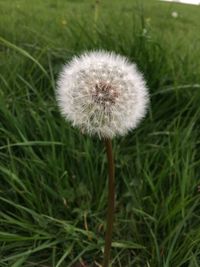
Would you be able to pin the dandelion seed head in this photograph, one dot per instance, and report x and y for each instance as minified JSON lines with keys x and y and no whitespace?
{"x":174,"y":14}
{"x":102,"y":93}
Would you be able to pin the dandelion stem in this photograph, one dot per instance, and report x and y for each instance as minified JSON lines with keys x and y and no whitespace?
{"x":111,"y":202}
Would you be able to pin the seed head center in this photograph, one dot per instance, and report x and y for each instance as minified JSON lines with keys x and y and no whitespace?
{"x":104,"y":93}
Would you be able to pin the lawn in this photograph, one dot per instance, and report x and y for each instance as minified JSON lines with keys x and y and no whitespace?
{"x":53,"y":184}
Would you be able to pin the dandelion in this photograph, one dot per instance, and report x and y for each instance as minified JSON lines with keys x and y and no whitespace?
{"x":174,"y":14}
{"x":104,"y":95}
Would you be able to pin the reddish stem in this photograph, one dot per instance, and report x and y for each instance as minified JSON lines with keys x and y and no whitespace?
{"x":111,"y":202}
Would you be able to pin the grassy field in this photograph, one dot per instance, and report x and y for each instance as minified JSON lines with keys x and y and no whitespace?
{"x":53,"y":179}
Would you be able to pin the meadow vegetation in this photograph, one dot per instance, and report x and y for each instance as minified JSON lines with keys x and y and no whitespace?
{"x":53,"y":179}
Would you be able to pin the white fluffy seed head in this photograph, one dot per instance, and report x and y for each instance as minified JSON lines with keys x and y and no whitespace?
{"x":102,"y":93}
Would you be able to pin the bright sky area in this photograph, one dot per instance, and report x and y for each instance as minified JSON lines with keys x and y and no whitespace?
{"x":193,"y":2}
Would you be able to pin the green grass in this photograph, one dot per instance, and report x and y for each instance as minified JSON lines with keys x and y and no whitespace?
{"x":53,"y":179}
